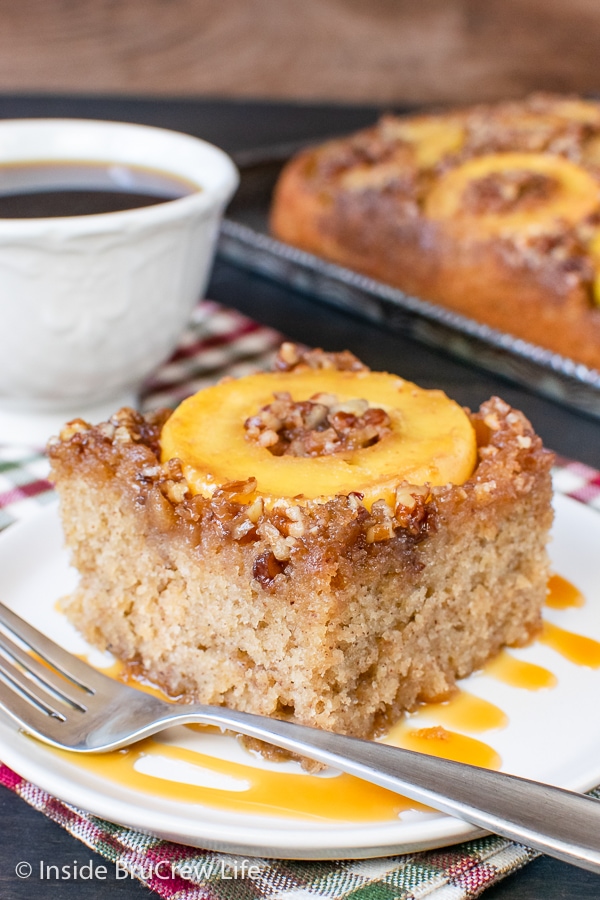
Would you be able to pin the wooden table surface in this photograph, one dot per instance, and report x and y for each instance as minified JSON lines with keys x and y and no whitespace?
{"x":26,"y":834}
{"x":351,"y":50}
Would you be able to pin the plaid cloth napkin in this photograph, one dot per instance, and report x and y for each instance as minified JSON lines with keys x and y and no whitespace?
{"x":220,"y":341}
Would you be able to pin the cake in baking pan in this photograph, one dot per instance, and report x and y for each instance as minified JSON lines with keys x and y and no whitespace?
{"x":492,"y":211}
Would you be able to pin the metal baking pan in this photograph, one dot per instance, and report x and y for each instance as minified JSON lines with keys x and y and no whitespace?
{"x":246,"y":243}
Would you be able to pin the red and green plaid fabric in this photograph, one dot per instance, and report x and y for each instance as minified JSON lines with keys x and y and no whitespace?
{"x":222,"y":342}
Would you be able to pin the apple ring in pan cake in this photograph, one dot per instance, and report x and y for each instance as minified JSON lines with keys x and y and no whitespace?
{"x":510,"y":193}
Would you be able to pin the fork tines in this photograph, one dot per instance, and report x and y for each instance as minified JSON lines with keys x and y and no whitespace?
{"x":39,"y":671}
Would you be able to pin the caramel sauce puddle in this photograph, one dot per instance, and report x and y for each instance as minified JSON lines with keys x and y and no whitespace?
{"x":562,"y":594}
{"x":438,"y":741}
{"x":520,"y":674}
{"x":299,"y":796}
{"x":467,"y":712}
{"x":582,"y":651}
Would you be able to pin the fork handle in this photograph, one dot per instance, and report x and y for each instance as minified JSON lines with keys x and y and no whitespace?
{"x":555,"y":821}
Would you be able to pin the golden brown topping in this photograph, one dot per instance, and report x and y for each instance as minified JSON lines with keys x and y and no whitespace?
{"x":265,"y":568}
{"x":508,"y":191}
{"x":273,"y":533}
{"x":320,"y":426}
{"x":76,"y":426}
{"x":291,"y":356}
{"x":239,"y":487}
{"x":560,"y":254}
{"x":125,"y":427}
{"x":383,"y":526}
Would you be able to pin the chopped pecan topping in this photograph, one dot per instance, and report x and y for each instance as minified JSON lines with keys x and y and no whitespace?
{"x":370,"y":147}
{"x":291,"y":356}
{"x":320,"y":426}
{"x":564,"y":249}
{"x":75,"y":426}
{"x":509,"y":191}
{"x":266,"y":567}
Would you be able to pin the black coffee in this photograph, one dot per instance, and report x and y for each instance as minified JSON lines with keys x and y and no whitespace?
{"x":47,"y":190}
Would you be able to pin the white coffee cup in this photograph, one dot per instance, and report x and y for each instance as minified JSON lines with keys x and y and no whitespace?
{"x":90,"y":305}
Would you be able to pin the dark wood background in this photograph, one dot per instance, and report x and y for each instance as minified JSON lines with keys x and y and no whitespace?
{"x":381,"y":51}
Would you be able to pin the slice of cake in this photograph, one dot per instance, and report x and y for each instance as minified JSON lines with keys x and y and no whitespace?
{"x":321,"y":542}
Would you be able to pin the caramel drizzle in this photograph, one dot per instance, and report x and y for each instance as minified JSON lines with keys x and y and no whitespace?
{"x":520,"y":674}
{"x":562,"y":594}
{"x":582,"y":651}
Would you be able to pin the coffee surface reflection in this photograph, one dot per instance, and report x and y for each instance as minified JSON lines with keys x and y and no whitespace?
{"x":50,"y":190}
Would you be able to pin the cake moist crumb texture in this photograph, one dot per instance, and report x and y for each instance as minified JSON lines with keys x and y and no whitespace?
{"x":326,"y":610}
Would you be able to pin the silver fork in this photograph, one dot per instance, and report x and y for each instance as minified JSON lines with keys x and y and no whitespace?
{"x":68,"y":704}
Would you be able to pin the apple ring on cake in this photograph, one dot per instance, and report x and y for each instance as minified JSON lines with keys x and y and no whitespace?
{"x":315,"y":433}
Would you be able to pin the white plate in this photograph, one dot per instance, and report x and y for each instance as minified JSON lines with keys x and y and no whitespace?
{"x":553,"y":735}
